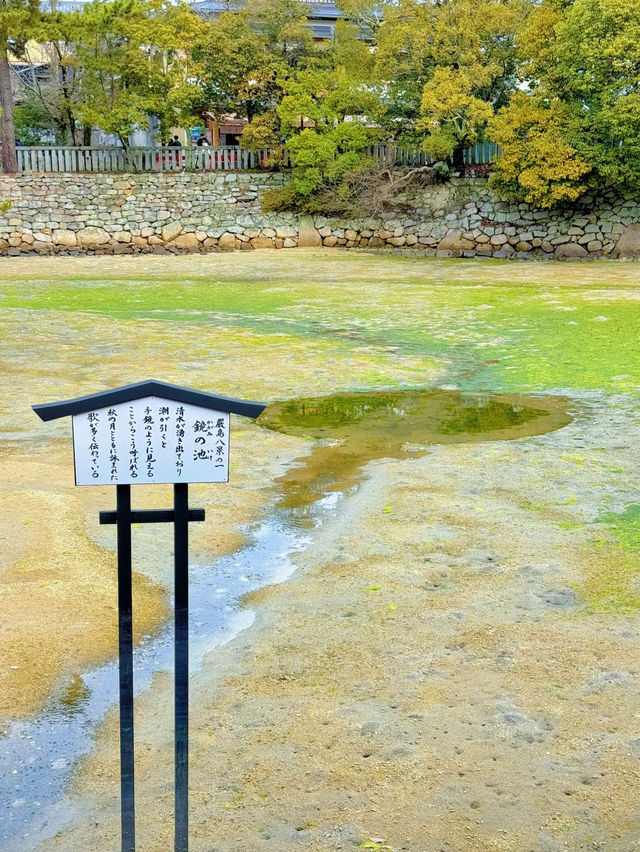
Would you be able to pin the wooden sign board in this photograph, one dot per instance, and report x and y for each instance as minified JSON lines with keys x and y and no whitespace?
{"x":151,"y":432}
{"x":150,"y":440}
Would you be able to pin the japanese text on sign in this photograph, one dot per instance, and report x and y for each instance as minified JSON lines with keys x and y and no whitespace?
{"x":151,"y":440}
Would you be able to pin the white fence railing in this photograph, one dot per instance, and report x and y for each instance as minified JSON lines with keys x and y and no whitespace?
{"x":394,"y":156}
{"x":52,"y":158}
{"x":157,"y":159}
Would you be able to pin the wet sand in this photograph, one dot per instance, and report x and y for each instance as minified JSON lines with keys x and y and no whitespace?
{"x":431,"y":679}
{"x":57,"y":565}
{"x":453,"y":667}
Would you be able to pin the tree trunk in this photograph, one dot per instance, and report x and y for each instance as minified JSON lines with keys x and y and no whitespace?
{"x":61,"y":74}
{"x":86,"y":136}
{"x":9,"y":158}
{"x":457,"y":158}
{"x":74,"y":129}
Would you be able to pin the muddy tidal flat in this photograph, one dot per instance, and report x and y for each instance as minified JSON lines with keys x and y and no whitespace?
{"x":415,"y":605}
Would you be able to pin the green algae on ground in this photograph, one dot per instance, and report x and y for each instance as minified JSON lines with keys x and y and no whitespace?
{"x":492,"y":326}
{"x":615,"y":585}
{"x":323,"y":325}
{"x":625,"y":526}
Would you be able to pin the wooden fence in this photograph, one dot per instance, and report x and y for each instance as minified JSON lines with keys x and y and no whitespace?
{"x":206,"y":158}
{"x":156,"y":159}
{"x":394,"y":156}
{"x":484,"y":153}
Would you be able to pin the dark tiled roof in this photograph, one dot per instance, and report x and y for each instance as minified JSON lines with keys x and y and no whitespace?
{"x":317,"y":8}
{"x":68,"y":407}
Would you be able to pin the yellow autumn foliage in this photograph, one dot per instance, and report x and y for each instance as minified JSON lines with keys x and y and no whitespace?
{"x":451,"y":113}
{"x":538,"y":165}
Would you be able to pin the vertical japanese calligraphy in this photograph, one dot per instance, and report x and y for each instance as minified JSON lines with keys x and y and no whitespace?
{"x":112,"y":417}
{"x":151,"y":440}
{"x":133,"y":449}
{"x":220,"y":442}
{"x":93,"y":420}
{"x":179,"y":439}
{"x":164,"y":424}
{"x":148,"y":430}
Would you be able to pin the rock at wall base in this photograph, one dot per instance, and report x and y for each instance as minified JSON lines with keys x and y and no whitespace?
{"x":92,"y":237}
{"x":227,"y":242}
{"x":62,"y":237}
{"x":454,"y":241}
{"x":170,"y":231}
{"x":628,"y":246}
{"x":186,"y":241}
{"x":571,"y":251}
{"x":262,"y":243}
{"x":308,"y":236}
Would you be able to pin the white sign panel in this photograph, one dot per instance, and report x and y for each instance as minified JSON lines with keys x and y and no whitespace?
{"x":151,"y":440}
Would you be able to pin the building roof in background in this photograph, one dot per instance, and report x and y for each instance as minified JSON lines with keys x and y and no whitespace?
{"x":322,"y":16}
{"x":62,"y":5}
{"x":319,"y":8}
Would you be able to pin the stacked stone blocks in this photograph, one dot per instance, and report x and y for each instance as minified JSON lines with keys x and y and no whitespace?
{"x":184,"y":212}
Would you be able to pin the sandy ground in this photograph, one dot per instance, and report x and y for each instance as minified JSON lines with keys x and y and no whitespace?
{"x":430,"y":680}
{"x":454,"y":665}
{"x":57,"y":566}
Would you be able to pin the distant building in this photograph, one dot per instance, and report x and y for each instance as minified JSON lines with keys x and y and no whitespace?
{"x":62,"y":5}
{"x":323,"y":14}
{"x":322,"y":17}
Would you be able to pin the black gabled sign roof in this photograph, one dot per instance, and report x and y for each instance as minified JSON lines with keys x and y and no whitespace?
{"x":175,"y":393}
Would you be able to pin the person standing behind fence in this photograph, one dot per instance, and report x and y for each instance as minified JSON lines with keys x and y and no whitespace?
{"x":174,"y":158}
{"x":202,"y":161}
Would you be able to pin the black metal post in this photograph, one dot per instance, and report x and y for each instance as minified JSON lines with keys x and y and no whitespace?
{"x":181,"y":639}
{"x":125,"y":651}
{"x":180,"y":516}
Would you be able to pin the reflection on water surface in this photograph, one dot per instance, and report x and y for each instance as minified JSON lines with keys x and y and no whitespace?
{"x":359,"y":427}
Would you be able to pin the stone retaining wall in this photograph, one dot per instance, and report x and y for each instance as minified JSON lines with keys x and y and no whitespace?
{"x":183,"y":212}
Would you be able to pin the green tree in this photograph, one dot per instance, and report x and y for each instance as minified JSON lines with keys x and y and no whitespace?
{"x":263,"y":131}
{"x":43,"y":103}
{"x":538,"y":164}
{"x":32,"y":121}
{"x":329,"y":118}
{"x":582,"y":61}
{"x":366,"y":15}
{"x":283,"y":24}
{"x":451,"y":114}
{"x":449,"y":65}
{"x":246,"y":53}
{"x":238,"y":72}
{"x":133,"y":60}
